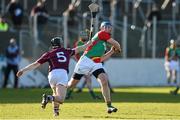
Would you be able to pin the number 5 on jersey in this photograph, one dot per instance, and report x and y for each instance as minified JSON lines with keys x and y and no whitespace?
{"x":61,"y":57}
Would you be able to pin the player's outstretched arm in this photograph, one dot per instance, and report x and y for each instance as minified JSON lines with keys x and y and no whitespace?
{"x":32,"y":66}
{"x":82,"y":47}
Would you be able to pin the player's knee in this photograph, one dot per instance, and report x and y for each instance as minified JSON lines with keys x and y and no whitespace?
{"x":104,"y":81}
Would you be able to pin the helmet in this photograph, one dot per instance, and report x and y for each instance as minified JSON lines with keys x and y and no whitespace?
{"x":172,"y":41}
{"x":105,"y":23}
{"x":57,"y":41}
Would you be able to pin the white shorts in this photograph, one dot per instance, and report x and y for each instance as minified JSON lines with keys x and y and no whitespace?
{"x":174,"y":65}
{"x":86,"y":66}
{"x":167,"y":65}
{"x":58,"y":76}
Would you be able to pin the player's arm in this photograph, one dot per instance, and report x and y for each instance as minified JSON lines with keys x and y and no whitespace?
{"x":115,"y":44}
{"x":166,"y":54}
{"x":82,"y":47}
{"x":107,"y":55}
{"x":32,"y":66}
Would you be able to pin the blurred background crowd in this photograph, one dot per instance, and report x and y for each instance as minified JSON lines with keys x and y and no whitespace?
{"x":35,"y":21}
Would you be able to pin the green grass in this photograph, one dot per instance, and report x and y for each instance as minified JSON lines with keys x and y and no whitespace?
{"x":132,"y":102}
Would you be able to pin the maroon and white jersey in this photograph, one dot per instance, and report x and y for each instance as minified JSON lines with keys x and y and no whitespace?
{"x":58,"y":58}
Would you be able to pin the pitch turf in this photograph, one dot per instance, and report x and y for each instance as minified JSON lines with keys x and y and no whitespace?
{"x":133,"y":103}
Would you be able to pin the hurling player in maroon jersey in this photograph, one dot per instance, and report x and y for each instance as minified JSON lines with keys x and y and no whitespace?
{"x":58,"y":59}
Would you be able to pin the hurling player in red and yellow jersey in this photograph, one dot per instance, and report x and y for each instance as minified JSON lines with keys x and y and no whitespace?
{"x":90,"y":62}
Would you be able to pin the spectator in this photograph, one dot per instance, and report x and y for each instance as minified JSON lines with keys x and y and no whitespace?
{"x":3,"y":25}
{"x":12,"y":59}
{"x":42,"y":16}
{"x":16,"y":12}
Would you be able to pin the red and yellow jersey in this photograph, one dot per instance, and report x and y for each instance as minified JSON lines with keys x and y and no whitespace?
{"x":98,"y":47}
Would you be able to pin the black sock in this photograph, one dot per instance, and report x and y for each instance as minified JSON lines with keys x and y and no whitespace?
{"x":109,"y":104}
{"x":177,"y":88}
{"x":56,"y":109}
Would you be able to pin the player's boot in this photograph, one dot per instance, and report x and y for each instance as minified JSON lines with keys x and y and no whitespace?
{"x":97,"y":97}
{"x":44,"y":101}
{"x":173,"y":92}
{"x":111,"y":109}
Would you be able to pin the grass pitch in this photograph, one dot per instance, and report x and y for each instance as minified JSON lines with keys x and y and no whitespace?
{"x":133,"y":103}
